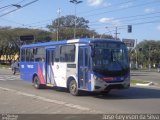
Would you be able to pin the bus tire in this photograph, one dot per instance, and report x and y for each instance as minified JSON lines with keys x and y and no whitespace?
{"x":13,"y":71}
{"x":73,"y":89}
{"x":36,"y":83}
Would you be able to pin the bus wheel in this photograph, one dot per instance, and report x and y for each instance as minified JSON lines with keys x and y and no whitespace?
{"x":73,"y":89}
{"x":36,"y":82}
{"x":14,"y":71}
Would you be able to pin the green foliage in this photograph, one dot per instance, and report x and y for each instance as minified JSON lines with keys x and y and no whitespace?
{"x":148,"y":52}
{"x":68,"y":22}
{"x":10,"y":42}
{"x":65,"y":26}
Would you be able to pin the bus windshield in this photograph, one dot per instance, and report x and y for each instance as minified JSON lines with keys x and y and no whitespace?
{"x":110,"y":59}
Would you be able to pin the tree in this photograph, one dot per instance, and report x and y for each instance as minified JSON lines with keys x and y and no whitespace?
{"x":148,"y":52}
{"x":65,"y":26}
{"x":68,"y":22}
{"x":10,"y":42}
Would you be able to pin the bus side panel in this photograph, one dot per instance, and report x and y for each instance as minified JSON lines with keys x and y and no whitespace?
{"x":60,"y":73}
{"x":89,"y":81}
{"x":28,"y":69}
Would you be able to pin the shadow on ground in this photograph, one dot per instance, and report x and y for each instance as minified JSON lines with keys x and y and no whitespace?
{"x":131,"y":93}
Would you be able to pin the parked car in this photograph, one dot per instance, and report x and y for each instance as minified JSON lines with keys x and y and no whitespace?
{"x":15,"y":67}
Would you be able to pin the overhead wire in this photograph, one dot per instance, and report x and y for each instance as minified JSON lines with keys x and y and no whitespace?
{"x":130,"y":7}
{"x":103,"y":12}
{"x":133,"y":16}
{"x":144,"y":22}
{"x":121,"y":3}
{"x":4,"y":8}
{"x":133,"y":24}
{"x":127,"y":20}
{"x":95,"y":9}
{"x":120,"y":9}
{"x":19,"y":8}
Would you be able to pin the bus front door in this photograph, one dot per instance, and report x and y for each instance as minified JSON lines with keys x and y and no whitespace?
{"x":83,"y":67}
{"x":49,"y":66}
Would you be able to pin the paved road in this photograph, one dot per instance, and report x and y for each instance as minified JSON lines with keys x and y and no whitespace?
{"x":20,"y":97}
{"x":152,"y":76}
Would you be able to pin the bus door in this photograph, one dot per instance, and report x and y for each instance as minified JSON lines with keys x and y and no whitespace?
{"x":83,"y":66}
{"x":49,"y":65}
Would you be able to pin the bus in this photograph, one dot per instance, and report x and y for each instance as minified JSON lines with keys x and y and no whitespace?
{"x":96,"y":65}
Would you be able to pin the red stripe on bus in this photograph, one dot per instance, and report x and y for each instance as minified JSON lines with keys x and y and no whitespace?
{"x":40,"y":75}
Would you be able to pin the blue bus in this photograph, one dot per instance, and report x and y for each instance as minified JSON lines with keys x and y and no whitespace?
{"x":98,"y":65}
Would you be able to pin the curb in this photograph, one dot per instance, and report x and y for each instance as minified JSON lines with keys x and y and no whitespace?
{"x":147,"y":84}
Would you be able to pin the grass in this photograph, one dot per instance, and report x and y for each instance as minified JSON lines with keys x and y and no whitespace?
{"x":138,"y":81}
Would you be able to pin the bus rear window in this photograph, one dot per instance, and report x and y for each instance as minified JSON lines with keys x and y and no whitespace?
{"x":32,"y":54}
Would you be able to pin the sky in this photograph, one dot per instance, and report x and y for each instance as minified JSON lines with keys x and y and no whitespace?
{"x":104,"y":15}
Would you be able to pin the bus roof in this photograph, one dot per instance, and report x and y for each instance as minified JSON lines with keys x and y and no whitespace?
{"x":82,"y":40}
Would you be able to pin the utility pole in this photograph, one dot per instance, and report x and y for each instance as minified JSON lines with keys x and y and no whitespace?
{"x":149,"y":59}
{"x":116,"y":33}
{"x":58,"y":12}
{"x":75,"y":2}
{"x":136,"y":55}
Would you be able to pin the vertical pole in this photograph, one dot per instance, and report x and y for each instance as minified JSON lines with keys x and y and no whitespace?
{"x":75,"y":22}
{"x":116,"y":34}
{"x":75,"y":2}
{"x":59,"y":10}
{"x":149,"y":65}
{"x":136,"y":56}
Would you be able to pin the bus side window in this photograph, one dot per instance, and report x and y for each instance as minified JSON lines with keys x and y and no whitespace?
{"x":67,"y":53}
{"x":39,"y":54}
{"x":27,"y":54}
{"x":31,"y":56}
{"x":23,"y":52}
{"x":57,"y":54}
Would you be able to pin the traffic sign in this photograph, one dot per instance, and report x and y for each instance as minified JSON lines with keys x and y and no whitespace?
{"x":26,"y":37}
